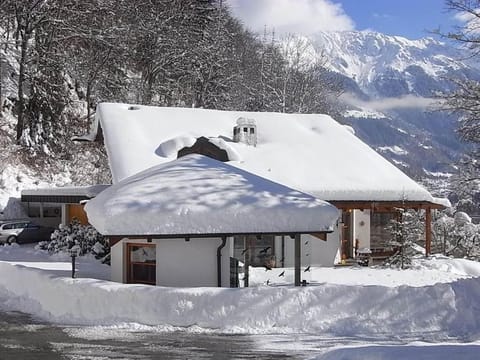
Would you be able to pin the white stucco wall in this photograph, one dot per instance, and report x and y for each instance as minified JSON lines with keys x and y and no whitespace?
{"x":324,"y":252}
{"x":180,"y":263}
{"x":192,"y":263}
{"x":314,"y":251}
{"x":116,"y":262}
{"x":362,"y":228}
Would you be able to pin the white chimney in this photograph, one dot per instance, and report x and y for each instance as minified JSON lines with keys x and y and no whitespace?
{"x":245,"y":131}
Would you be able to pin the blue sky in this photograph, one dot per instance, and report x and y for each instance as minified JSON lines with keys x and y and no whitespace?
{"x":410,"y":18}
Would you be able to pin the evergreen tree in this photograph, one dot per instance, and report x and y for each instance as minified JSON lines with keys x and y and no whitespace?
{"x":405,"y":231}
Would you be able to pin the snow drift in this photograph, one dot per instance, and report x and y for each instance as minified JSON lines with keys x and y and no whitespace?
{"x":440,"y":310}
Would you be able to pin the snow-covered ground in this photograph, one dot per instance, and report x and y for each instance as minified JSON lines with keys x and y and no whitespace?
{"x":432,"y":309}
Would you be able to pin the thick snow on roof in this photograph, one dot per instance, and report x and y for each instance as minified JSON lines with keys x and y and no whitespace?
{"x":87,"y":191}
{"x":199,"y":195}
{"x":312,"y":153}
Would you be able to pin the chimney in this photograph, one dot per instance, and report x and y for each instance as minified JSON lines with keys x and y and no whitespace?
{"x":245,"y":131}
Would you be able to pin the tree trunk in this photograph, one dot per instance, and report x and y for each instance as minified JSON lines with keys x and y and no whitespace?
{"x":21,"y":81}
{"x":1,"y":77}
{"x":89,"y":111}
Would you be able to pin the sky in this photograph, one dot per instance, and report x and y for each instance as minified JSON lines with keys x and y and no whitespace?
{"x":412,"y":19}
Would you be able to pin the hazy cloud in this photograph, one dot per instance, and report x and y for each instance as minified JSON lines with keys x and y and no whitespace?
{"x":292,"y":16}
{"x":382,"y":16}
{"x":403,"y":102}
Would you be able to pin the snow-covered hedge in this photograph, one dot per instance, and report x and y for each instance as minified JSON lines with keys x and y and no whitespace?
{"x":84,"y":237}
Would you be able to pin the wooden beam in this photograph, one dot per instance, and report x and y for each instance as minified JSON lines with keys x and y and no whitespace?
{"x":428,"y":231}
{"x":298,"y":260}
{"x":384,"y":206}
{"x":112,"y":240}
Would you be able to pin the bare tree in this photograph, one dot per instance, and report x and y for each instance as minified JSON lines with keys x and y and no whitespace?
{"x":465,"y":99}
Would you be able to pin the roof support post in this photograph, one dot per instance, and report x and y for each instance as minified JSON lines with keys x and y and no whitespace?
{"x":298,"y":260}
{"x":246,"y":260}
{"x":428,"y":231}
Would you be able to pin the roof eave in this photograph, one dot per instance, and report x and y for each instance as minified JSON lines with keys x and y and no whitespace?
{"x":116,"y":237}
{"x":382,"y":205}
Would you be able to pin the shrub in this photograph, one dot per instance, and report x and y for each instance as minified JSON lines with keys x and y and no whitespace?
{"x":83,"y":237}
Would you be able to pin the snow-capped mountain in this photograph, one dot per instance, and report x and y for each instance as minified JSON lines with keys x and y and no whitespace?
{"x":390,"y":84}
{"x":371,"y":58}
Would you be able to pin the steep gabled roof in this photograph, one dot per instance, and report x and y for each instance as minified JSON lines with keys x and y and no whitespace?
{"x":312,"y":153}
{"x":197,"y":195}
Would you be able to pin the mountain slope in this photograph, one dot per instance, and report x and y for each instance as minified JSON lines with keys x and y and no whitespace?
{"x":390,"y":84}
{"x":385,"y":66}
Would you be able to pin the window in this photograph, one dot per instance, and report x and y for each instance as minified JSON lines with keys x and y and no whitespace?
{"x":252,"y":131}
{"x":262,"y":249}
{"x":52,"y":211}
{"x":378,"y":229}
{"x":33,"y":210}
{"x":141,"y":264}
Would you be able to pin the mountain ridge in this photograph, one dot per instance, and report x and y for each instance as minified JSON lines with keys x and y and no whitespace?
{"x":391,"y":94}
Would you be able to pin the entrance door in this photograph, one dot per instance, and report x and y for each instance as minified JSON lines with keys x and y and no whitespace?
{"x":141,"y":264}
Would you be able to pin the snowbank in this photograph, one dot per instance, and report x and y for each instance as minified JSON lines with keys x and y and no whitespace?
{"x":417,"y":351}
{"x":442,"y":310}
{"x":425,"y":272}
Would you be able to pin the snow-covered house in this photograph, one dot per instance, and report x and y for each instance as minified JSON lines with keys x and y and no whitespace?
{"x":311,"y":153}
{"x":174,"y":224}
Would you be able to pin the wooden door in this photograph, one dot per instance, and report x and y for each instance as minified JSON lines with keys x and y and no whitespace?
{"x":141,"y":264}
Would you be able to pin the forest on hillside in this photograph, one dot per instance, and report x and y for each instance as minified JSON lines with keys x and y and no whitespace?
{"x":65,"y":56}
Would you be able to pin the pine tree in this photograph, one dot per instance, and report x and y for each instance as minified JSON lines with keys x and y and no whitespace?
{"x":405,"y":231}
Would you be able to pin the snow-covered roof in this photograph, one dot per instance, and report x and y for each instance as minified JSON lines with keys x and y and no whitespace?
{"x":309,"y":152}
{"x":86,"y":191}
{"x":199,"y":195}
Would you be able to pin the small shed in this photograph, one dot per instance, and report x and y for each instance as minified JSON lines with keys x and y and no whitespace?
{"x":173,"y":224}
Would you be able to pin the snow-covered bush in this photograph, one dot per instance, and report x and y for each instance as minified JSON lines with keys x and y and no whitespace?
{"x":457,"y":236}
{"x":84,"y":237}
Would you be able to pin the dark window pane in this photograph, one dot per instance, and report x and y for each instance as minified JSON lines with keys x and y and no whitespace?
{"x":142,"y":259}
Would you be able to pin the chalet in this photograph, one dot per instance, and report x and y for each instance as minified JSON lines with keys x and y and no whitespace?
{"x":174,"y":224}
{"x":311,"y":153}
